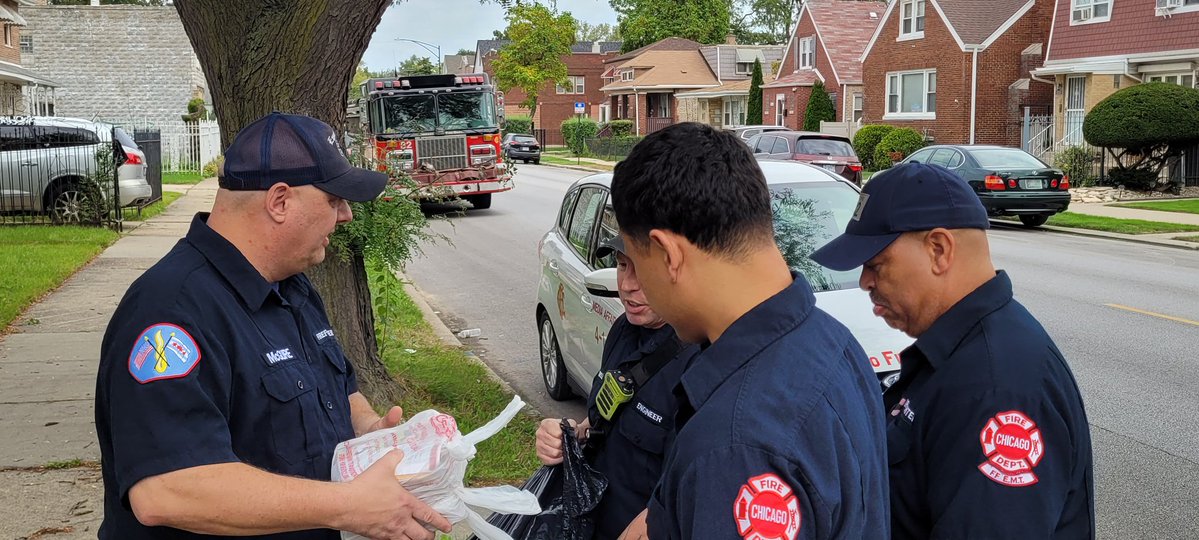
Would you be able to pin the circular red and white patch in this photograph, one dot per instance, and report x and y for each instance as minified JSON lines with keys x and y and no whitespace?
{"x":1013,"y":446}
{"x":766,"y":509}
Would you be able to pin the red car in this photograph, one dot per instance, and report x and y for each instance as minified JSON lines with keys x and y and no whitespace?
{"x":833,"y":152}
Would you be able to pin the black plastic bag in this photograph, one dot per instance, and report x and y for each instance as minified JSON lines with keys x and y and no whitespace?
{"x":568,"y":492}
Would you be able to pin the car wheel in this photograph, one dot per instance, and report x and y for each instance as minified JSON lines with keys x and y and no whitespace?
{"x":74,"y":203}
{"x":553,"y":370}
{"x":537,"y":161}
{"x":480,"y":202}
{"x":1033,"y":221}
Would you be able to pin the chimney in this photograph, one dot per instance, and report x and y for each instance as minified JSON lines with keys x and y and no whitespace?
{"x":595,"y":47}
{"x":95,"y":2}
{"x":730,"y":39}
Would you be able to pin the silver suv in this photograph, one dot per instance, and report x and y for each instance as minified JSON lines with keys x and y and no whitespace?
{"x":48,"y":163}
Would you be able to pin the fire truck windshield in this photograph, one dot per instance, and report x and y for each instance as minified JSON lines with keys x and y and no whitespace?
{"x":427,"y":112}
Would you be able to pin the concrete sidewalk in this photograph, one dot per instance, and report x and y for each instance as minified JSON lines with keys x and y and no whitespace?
{"x":48,"y":377}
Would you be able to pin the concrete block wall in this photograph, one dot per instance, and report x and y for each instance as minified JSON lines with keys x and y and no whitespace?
{"x":139,"y":65}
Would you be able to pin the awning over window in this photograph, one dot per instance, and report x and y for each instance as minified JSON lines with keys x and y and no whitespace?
{"x":747,"y":56}
{"x":9,"y":16}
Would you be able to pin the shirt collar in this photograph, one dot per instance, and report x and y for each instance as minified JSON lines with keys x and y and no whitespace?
{"x":230,"y":263}
{"x":754,"y":331}
{"x":947,"y":332}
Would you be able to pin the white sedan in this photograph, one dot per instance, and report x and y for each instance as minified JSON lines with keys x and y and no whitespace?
{"x":576,"y":302}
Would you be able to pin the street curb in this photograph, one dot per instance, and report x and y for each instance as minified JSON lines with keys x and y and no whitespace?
{"x":575,"y":168}
{"x":1177,"y":244}
{"x":447,"y":336}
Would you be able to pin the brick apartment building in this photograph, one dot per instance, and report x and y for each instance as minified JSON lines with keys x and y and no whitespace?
{"x":957,"y":70}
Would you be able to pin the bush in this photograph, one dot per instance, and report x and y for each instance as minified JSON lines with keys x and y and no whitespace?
{"x":621,"y":128}
{"x":576,"y":131}
{"x":1143,"y":116}
{"x":612,"y":147}
{"x":1136,"y":179}
{"x":866,"y":139}
{"x":1076,"y":162}
{"x":902,"y":140}
{"x":820,"y":108}
{"x":518,"y":124}
{"x":212,"y":168}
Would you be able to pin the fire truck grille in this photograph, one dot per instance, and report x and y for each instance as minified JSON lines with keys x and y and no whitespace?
{"x":442,"y":153}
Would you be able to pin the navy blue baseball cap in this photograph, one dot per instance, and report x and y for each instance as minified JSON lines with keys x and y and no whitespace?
{"x":908,"y":197}
{"x":298,"y":151}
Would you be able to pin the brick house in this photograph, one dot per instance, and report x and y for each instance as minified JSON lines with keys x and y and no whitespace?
{"x":641,"y":85}
{"x":827,"y":46}
{"x":1099,"y":46}
{"x":956,"y":70}
{"x":728,"y":103}
{"x":584,"y":65}
{"x":22,"y":91}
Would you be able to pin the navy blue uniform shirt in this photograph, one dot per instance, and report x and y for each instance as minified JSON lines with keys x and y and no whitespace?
{"x":987,"y":436}
{"x":205,"y":362}
{"x":633,"y":447}
{"x":781,"y":433}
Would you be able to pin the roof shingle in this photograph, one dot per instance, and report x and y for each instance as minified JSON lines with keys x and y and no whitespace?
{"x":845,"y":27}
{"x":976,"y":20}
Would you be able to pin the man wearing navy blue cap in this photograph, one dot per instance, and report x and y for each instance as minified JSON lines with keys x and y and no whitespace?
{"x":222,"y":390}
{"x":987,"y":436}
{"x":779,"y":421}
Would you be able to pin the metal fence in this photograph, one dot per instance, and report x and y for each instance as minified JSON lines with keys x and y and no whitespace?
{"x":150,"y":143}
{"x":549,"y":137}
{"x":59,"y":174}
{"x":184,"y":146}
{"x":611,"y":148}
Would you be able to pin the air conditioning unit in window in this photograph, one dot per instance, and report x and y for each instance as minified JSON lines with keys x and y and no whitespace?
{"x":1083,"y":14}
{"x":1170,"y":4}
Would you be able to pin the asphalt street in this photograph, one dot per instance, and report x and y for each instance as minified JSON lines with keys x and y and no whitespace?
{"x":1124,"y":314}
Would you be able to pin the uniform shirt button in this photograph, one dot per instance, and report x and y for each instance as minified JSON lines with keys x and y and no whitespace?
{"x":300,"y":385}
{"x":329,"y":405}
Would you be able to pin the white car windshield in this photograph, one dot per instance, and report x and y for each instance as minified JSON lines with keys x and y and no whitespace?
{"x":808,"y":215}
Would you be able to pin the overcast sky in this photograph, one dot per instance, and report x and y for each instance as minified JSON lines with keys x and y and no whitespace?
{"x":453,"y":25}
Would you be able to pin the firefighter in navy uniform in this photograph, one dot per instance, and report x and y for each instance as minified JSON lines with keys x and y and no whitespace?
{"x":630,"y":412}
{"x":222,"y":389}
{"x":987,"y":436}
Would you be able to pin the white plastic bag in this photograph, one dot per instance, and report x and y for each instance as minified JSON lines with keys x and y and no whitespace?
{"x":434,"y":461}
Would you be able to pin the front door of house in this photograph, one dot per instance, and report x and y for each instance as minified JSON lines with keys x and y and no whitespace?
{"x":780,"y":106}
{"x":1076,"y":94}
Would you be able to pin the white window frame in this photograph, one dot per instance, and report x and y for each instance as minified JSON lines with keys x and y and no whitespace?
{"x":732,"y":117}
{"x":807,"y":52}
{"x":1187,"y":7}
{"x":8,"y":35}
{"x":894,"y":77}
{"x":26,"y":43}
{"x":1083,"y":11}
{"x":915,"y":15}
{"x":626,"y":75}
{"x":1177,"y":75}
{"x":780,"y":108}
{"x":749,"y":68}
{"x":577,"y":85}
{"x":858,"y":101}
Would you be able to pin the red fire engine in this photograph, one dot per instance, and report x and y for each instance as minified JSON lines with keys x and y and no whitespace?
{"x":442,"y":130}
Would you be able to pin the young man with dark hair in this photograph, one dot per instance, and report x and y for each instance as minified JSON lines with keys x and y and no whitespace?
{"x":780,"y":426}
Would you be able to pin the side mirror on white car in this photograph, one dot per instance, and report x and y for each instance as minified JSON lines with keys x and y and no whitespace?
{"x":602,"y":282}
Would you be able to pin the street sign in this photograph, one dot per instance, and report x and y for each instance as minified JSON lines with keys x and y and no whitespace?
{"x":580,"y":107}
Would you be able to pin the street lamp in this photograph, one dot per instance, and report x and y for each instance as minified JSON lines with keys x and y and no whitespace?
{"x":427,"y":46}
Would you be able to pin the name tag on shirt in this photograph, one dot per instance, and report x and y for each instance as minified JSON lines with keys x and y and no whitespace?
{"x":649,"y":413}
{"x":323,"y":335}
{"x":281,"y":355}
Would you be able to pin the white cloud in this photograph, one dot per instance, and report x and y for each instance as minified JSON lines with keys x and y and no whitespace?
{"x":453,"y":25}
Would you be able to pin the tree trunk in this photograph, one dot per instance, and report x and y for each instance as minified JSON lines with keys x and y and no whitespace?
{"x":296,"y":56}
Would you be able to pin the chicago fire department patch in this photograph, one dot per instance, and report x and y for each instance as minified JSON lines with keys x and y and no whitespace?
{"x":766,"y":509}
{"x":1013,"y":446}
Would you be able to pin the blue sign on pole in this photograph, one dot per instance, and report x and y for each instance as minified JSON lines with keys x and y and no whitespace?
{"x":580,"y":107}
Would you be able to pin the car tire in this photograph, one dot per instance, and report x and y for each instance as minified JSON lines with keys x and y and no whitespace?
{"x":537,"y":161}
{"x":480,"y":202}
{"x":1033,"y":221}
{"x":73,"y":202}
{"x":553,"y":370}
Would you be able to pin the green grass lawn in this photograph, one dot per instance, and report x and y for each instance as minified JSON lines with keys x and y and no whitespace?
{"x":1123,"y":226}
{"x":1187,"y":238}
{"x":148,"y":212}
{"x":448,"y":379}
{"x":35,"y":260}
{"x":181,"y":177}
{"x":1188,"y":206}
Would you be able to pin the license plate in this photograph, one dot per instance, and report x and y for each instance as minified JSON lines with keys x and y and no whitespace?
{"x":1032,"y":184}
{"x":525,"y":148}
{"x":829,"y":166}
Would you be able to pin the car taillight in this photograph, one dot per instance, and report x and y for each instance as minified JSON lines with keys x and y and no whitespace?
{"x":855,"y":168}
{"x":994,"y":183}
{"x":1065,"y":183}
{"x":134,"y":157}
{"x":1011,"y":184}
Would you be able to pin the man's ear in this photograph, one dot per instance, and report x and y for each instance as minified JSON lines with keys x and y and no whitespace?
{"x":278,"y":200}
{"x":942,"y":248}
{"x":671,"y":248}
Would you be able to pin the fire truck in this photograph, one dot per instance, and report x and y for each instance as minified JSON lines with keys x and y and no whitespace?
{"x":443,"y":131}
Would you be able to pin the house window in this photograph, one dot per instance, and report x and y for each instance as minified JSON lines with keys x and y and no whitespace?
{"x":734,"y":110}
{"x":1090,"y":11}
{"x":26,"y":44}
{"x":780,"y":109}
{"x":1176,"y":6}
{"x":912,"y":19}
{"x":626,"y":75}
{"x":745,"y":68}
{"x":912,"y":94}
{"x":576,"y":85}
{"x":8,"y":35}
{"x":857,"y":107}
{"x":1181,"y":79}
{"x":807,"y":52}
